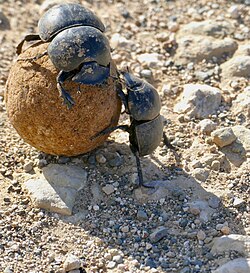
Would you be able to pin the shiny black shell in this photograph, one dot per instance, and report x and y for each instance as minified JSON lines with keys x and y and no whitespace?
{"x":147,"y":136}
{"x":143,"y":99}
{"x":74,"y":46}
{"x":65,"y":16}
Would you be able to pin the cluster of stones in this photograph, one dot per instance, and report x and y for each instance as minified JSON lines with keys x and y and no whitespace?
{"x":198,"y":218}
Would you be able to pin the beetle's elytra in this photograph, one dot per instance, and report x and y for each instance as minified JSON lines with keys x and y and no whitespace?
{"x":77,"y":43}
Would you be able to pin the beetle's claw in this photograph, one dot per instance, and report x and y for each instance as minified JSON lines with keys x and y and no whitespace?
{"x":147,"y":186}
{"x":67,"y":100}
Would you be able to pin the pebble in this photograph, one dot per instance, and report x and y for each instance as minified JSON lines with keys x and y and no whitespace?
{"x":173,"y":26}
{"x":200,"y":174}
{"x":96,"y":207}
{"x":158,"y":234}
{"x":28,"y":167}
{"x":206,"y":126}
{"x":125,"y":229}
{"x":141,"y":215}
{"x":234,"y":12}
{"x":214,"y":202}
{"x":118,"y":259}
{"x":108,"y":189}
{"x":146,"y":73}
{"x":71,"y":262}
{"x":238,"y":202}
{"x":223,"y":136}
{"x":100,"y":158}
{"x":111,"y":265}
{"x":201,"y":235}
{"x":152,"y":60}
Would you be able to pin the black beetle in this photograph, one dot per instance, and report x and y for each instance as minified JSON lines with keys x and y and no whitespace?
{"x":78,"y":47}
{"x":143,"y":105}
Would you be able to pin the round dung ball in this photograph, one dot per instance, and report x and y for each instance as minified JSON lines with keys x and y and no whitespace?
{"x":38,"y":114}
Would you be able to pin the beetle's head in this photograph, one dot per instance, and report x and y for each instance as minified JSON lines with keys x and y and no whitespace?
{"x":131,"y":81}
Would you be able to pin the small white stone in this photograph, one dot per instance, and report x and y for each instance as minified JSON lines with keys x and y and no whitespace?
{"x":111,"y":265}
{"x":96,"y":207}
{"x":72,"y":262}
{"x":234,"y":11}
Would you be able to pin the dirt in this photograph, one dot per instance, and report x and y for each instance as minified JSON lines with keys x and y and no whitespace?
{"x":105,"y":226}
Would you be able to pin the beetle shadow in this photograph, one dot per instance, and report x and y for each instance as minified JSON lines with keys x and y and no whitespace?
{"x":179,"y":203}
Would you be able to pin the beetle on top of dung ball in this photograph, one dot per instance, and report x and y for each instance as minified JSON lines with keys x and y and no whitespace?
{"x":81,"y":52}
{"x":78,"y":47}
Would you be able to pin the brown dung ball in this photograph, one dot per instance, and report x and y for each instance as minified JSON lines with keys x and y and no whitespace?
{"x":38,"y":114}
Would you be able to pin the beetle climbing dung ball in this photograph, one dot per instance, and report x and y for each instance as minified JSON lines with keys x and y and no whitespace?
{"x":78,"y":47}
{"x":37,"y":113}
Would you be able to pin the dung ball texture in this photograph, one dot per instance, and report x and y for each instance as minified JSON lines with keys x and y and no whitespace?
{"x":37,"y":112}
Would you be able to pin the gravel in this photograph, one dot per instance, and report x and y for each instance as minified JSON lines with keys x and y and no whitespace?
{"x":201,"y":197}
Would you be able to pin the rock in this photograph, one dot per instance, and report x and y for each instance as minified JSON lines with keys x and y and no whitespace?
{"x":117,"y":40}
{"x":158,"y":234}
{"x":100,"y":158}
{"x":111,"y":265}
{"x":207,"y":28}
{"x":234,"y":11}
{"x":239,"y":265}
{"x":194,"y":48}
{"x":28,"y":167}
{"x":238,"y":66}
{"x":206,"y":126}
{"x":225,"y":230}
{"x":235,"y":153}
{"x":198,"y":101}
{"x":232,"y":242}
{"x":241,"y":105}
{"x":243,"y":135}
{"x":150,"y":59}
{"x":72,"y":262}
{"x":238,"y":202}
{"x":146,"y":73}
{"x":41,"y":118}
{"x":108,"y":189}
{"x":201,"y":235}
{"x":223,"y":136}
{"x":142,"y":215}
{"x":56,"y":189}
{"x":200,"y":174}
{"x":118,"y":259}
{"x":173,"y":26}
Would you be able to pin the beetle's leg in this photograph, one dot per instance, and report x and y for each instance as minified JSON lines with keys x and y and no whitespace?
{"x":60,"y":79}
{"x":109,"y":130}
{"x":139,"y":171}
{"x":122,"y":96}
{"x":27,"y":38}
{"x":33,"y":59}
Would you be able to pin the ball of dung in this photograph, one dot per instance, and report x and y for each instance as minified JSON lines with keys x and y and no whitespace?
{"x":38,"y":114}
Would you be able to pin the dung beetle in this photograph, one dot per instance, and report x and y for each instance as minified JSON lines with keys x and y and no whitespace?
{"x":78,"y":48}
{"x":142,"y":104}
